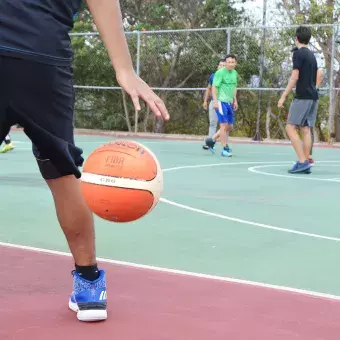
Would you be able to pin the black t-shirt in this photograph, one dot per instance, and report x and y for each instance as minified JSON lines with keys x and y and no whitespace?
{"x":37,"y":29}
{"x":304,"y":60}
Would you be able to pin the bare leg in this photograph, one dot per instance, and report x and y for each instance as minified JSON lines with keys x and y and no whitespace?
{"x":223,"y":134}
{"x":229,"y":128}
{"x":216,"y":136}
{"x":307,"y":140}
{"x":75,"y":219}
{"x":311,"y":149}
{"x":296,"y":142}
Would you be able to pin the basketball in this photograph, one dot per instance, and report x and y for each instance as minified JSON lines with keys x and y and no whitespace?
{"x":122,"y":181}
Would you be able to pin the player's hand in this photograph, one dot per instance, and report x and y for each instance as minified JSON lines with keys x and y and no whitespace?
{"x":281,"y":102}
{"x":216,"y":105}
{"x":137,"y":88}
{"x":205,"y":105}
{"x":235,"y":105}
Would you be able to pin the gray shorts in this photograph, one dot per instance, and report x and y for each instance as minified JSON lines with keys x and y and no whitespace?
{"x":303,"y":112}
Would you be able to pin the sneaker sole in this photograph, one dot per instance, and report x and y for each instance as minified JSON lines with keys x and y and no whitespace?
{"x":5,"y":151}
{"x":88,"y":315}
{"x":306,"y":171}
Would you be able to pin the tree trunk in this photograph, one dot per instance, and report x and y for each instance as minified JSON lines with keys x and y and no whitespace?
{"x":282,"y":128}
{"x":269,"y":110}
{"x":146,"y":119}
{"x":159,"y":122}
{"x":126,"y":111}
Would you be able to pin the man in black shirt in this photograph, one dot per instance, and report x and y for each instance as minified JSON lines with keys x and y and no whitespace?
{"x":36,"y":91}
{"x":303,"y":110}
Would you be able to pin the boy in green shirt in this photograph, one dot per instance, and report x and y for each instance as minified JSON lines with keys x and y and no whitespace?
{"x":224,"y":91}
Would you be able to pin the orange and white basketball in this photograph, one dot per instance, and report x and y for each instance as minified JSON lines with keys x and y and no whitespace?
{"x":122,"y":181}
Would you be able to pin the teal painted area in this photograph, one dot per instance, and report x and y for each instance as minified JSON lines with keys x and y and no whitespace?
{"x":177,"y":238}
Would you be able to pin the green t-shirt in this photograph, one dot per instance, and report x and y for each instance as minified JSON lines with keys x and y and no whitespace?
{"x":226,"y":83}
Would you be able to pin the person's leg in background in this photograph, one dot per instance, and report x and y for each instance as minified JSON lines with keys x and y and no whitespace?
{"x":212,"y":123}
{"x":311,"y":120}
{"x":212,"y":120}
{"x":306,"y":140}
{"x":310,"y":157}
{"x":297,"y":117}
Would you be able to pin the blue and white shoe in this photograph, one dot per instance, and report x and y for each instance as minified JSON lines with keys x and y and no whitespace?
{"x":89,"y":298}
{"x":301,"y":168}
{"x":226,"y":152}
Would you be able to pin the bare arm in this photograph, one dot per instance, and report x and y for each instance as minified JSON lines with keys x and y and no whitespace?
{"x":291,"y":84}
{"x":108,"y":19}
{"x":319,"y":78}
{"x":214,"y":95}
{"x":207,"y":94}
{"x":235,"y":103}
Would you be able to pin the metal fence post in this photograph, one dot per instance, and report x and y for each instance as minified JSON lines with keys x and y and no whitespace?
{"x":331,"y":89}
{"x":257,"y":136}
{"x":228,"y":40}
{"x":138,"y":73}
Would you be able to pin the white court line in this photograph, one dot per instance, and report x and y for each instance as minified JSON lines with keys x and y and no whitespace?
{"x":200,"y":275}
{"x":268,"y":163}
{"x":221,"y":164}
{"x":182,"y":272}
{"x":254,"y":224}
{"x":238,"y":220}
{"x":254,"y":169}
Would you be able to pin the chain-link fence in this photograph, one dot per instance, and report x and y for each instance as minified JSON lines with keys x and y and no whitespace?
{"x":177,"y":64}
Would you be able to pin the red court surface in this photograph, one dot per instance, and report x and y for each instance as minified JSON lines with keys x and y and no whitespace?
{"x":152,"y":305}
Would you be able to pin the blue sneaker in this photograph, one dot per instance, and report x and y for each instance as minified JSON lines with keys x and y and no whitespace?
{"x":299,"y":168}
{"x":226,"y":152}
{"x":89,"y":298}
{"x":227,"y":148}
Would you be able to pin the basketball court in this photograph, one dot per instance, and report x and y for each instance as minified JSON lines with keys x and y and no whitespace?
{"x":237,"y":249}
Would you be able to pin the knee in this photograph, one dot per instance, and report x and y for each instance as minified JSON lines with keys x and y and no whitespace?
{"x":306,"y":131}
{"x":290,"y":128}
{"x":224,"y":127}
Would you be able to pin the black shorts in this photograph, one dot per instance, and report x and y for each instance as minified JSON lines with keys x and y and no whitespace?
{"x":40,"y":98}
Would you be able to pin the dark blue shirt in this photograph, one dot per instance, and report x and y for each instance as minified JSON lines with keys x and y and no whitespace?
{"x":211,"y":77}
{"x":37,"y":29}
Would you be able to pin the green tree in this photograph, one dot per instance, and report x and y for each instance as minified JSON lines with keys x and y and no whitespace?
{"x":167,"y":60}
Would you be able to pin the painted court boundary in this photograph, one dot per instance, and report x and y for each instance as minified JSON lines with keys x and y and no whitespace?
{"x":238,"y":220}
{"x":200,"y":275}
{"x":180,"y":272}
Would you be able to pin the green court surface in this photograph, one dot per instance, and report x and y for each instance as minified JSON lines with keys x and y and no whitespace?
{"x":244,"y":217}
